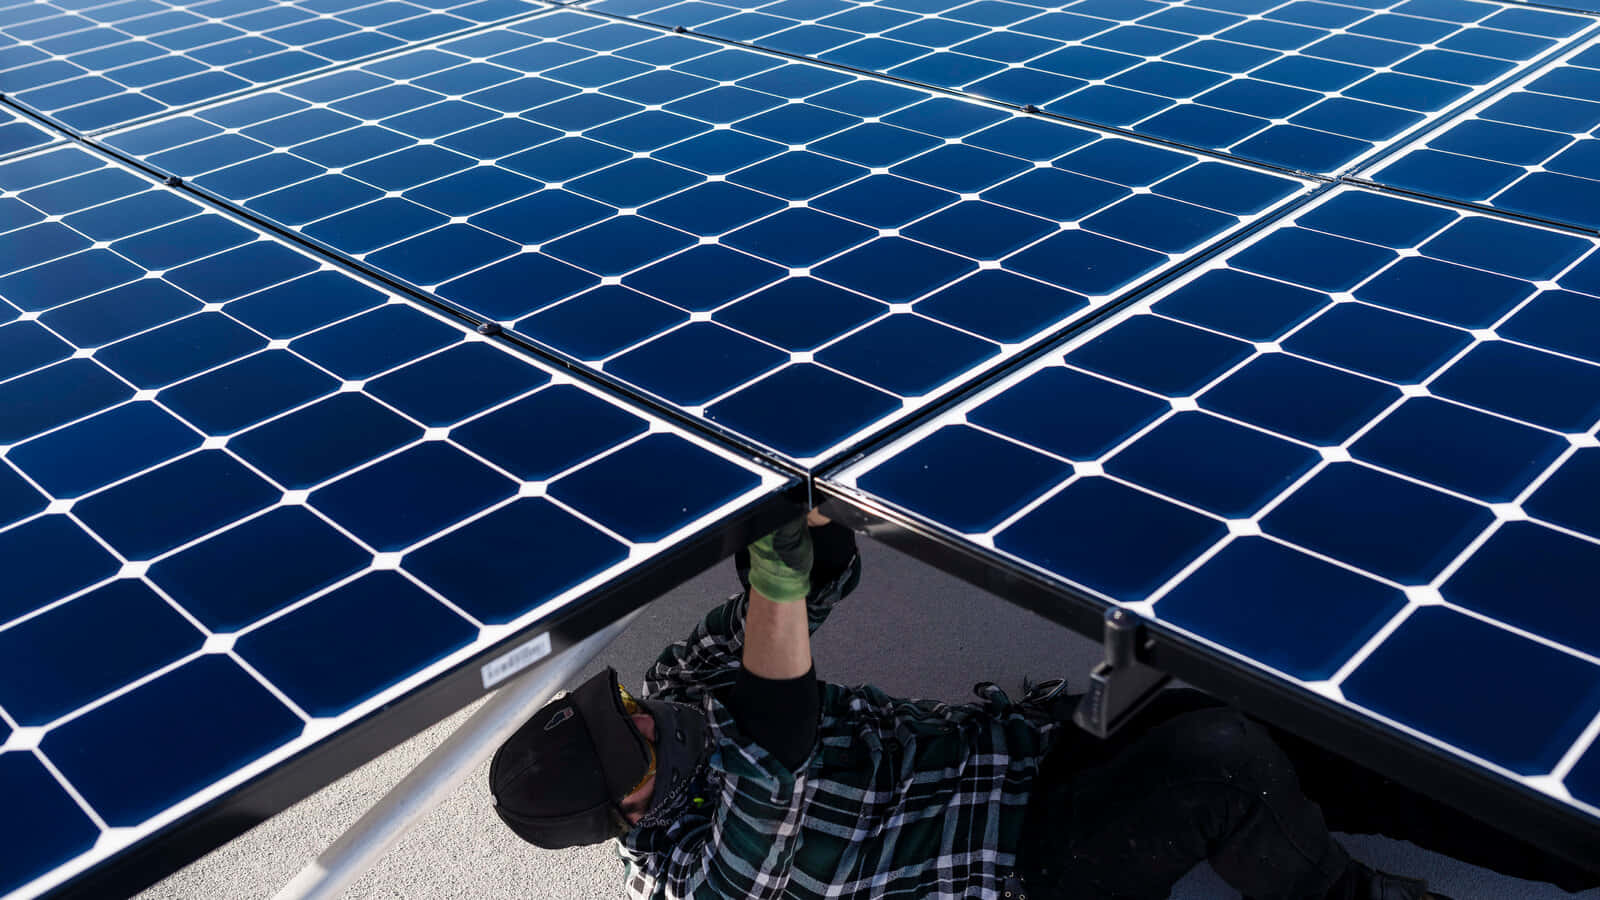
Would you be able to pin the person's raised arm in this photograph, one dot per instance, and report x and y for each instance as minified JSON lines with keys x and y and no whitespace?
{"x":777,"y":640}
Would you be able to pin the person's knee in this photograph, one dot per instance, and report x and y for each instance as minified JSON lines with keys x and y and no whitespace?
{"x":1222,"y":743}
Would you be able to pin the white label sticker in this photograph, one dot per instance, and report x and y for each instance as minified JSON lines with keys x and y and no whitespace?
{"x":518,"y":658}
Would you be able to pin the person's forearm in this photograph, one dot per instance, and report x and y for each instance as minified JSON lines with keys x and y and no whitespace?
{"x":777,"y":638}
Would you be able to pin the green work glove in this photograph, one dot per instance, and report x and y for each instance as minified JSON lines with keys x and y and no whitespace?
{"x":780,"y":563}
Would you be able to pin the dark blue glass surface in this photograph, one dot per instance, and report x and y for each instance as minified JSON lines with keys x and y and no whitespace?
{"x":836,"y":408}
{"x":440,"y":255}
{"x":35,"y":690}
{"x":1446,"y":292}
{"x":1517,"y":153}
{"x":44,"y":825}
{"x":245,"y":392}
{"x":1430,"y":674}
{"x":289,"y":553}
{"x":1314,"y":259}
{"x":1525,"y":384}
{"x":982,"y":230}
{"x":599,"y":214}
{"x":519,"y":437}
{"x":703,"y":278}
{"x":964,"y":478}
{"x":908,"y":355}
{"x":1515,"y":250}
{"x":1378,"y":219}
{"x":1377,"y":342}
{"x":313,"y":444}
{"x":394,"y":503}
{"x":1566,"y":498}
{"x":18,"y":499}
{"x":1001,"y":306}
{"x":725,"y":360}
{"x":66,"y":279}
{"x":303,"y":304}
{"x":1087,"y":263}
{"x":375,"y":342}
{"x":1110,"y":538}
{"x":54,"y":396}
{"x":618,"y":245}
{"x":176,"y":735}
{"x":1534,"y":578}
{"x":712,"y":208}
{"x":648,"y":489}
{"x":1395,"y":528}
{"x":1287,"y":610}
{"x":104,"y":448}
{"x":798,"y":237}
{"x":1483,"y":456}
{"x":1189,"y":358}
{"x":966,"y":55}
{"x":1558,"y":320}
{"x":450,"y":386}
{"x":509,"y":562}
{"x":347,"y":645}
{"x":1216,"y":465}
{"x":545,"y":215}
{"x":54,"y":538}
{"x":824,"y":312}
{"x":894,"y":269}
{"x":1240,"y":304}
{"x":516,"y":286}
{"x":1272,"y":391}
{"x":175,"y":504}
{"x":119,"y":312}
{"x":157,"y":358}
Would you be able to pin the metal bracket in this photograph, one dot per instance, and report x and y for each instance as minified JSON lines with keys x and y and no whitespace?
{"x":1122,"y":685}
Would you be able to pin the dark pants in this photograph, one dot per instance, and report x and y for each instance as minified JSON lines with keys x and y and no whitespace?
{"x":1190,"y":780}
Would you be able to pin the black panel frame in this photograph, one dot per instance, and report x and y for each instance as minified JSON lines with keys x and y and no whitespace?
{"x":1512,"y":808}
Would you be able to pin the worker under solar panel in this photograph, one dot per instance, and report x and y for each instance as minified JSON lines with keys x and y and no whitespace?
{"x":738,"y":774}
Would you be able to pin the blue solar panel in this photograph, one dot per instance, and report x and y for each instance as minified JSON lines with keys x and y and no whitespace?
{"x":94,"y":65}
{"x":246,"y":499}
{"x":1532,"y":150}
{"x":1358,"y":451}
{"x":632,"y":199}
{"x":1309,"y":85}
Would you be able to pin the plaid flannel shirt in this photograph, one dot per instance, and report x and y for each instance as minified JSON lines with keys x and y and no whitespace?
{"x":900,"y":798}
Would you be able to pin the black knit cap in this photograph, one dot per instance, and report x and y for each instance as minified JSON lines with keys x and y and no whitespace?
{"x":558,"y":780}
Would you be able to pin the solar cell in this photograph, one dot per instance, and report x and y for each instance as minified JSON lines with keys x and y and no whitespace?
{"x":632,"y":199}
{"x":1534,"y":149}
{"x":18,"y":134}
{"x":1357,"y":451}
{"x":98,"y":64}
{"x":1313,"y":86}
{"x":247,"y":499}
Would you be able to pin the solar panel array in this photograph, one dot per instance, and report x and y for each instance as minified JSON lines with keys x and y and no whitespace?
{"x":811,"y":237}
{"x":246,"y":498}
{"x":92,"y":65}
{"x":1312,"y":86}
{"x":1533,"y":150}
{"x":1364,"y":457}
{"x":242,"y":410}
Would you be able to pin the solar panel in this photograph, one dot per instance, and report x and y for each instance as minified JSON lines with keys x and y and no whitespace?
{"x":632,"y":199}
{"x":248,"y":499}
{"x":97,"y":64}
{"x":1532,"y":150}
{"x":1358,"y":452}
{"x":1309,"y":85}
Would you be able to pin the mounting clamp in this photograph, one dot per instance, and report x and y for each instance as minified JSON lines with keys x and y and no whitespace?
{"x":1122,"y":685}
